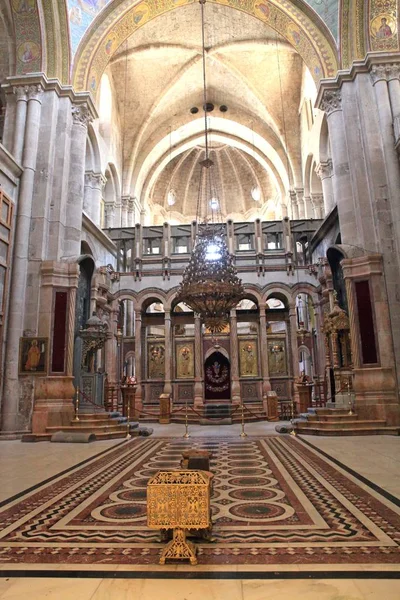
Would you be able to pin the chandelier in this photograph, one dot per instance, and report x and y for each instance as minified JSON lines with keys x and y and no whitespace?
{"x":210,"y":285}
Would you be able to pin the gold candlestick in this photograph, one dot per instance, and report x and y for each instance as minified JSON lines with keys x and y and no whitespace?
{"x":243,"y":434}
{"x":186,"y":421}
{"x":128,"y":416}
{"x":77,"y":404}
{"x":292,"y":417}
{"x":349,"y":398}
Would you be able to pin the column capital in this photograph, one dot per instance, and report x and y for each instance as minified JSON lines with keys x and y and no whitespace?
{"x":125,"y":201}
{"x":331,"y":101}
{"x":21,"y":92}
{"x":81,"y":114}
{"x":96,"y":180}
{"x":324,"y":169}
{"x":385,"y":72}
{"x":317,"y":199}
{"x":35,"y":92}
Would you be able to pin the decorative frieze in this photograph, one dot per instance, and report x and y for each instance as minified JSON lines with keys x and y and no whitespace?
{"x":331,"y":101}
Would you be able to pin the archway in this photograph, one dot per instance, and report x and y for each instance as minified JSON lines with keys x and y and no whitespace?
{"x":217,"y":377}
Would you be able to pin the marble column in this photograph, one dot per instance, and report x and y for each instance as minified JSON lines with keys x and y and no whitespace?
{"x":331,"y":103}
{"x":13,"y":395}
{"x":393,"y":77}
{"x":21,"y":93}
{"x":266,"y":384}
{"x":294,"y":348}
{"x":234,"y":343}
{"x":168,"y":353}
{"x":325,"y":172}
{"x":198,"y":364}
{"x":138,"y":359}
{"x":81,"y":116}
{"x":318,"y":206}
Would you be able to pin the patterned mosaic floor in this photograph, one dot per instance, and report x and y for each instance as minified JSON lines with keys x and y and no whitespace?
{"x":275,"y":501}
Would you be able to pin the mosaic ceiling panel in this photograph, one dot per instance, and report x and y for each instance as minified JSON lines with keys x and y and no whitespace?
{"x":81,"y":14}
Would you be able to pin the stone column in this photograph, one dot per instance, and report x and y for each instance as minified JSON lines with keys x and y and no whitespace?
{"x":293,"y":203}
{"x":131,"y":212}
{"x":325,"y":172}
{"x":81,"y":117}
{"x":94,"y":184}
{"x":198,"y":364}
{"x":266,"y":384}
{"x":331,"y":103}
{"x":308,"y":207}
{"x":393,"y":77}
{"x":294,"y":348}
{"x":234,"y":343}
{"x":300,"y":202}
{"x":124,"y":211}
{"x":21,"y":93}
{"x":109,"y":212}
{"x":168,"y":353}
{"x":318,"y":206}
{"x":12,"y":391}
{"x":138,"y":359}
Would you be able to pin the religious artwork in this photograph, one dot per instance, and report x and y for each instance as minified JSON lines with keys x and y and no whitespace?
{"x":217,"y":377}
{"x":383,"y":25}
{"x":277,"y":357}
{"x":184,"y":360}
{"x":28,"y":52}
{"x":33,"y":355}
{"x":23,"y":6}
{"x":156,"y":360}
{"x":81,"y":14}
{"x":248,"y":358}
{"x":294,"y":33}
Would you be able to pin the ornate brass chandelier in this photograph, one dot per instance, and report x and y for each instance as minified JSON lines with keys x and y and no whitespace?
{"x":210,"y":285}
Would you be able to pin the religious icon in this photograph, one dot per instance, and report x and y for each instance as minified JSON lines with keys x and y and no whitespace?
{"x":28,"y":52}
{"x":184,"y":360}
{"x":23,"y":6}
{"x":383,"y":27}
{"x":248,"y":358}
{"x":156,"y":360}
{"x":33,"y":356}
{"x":277,"y":357}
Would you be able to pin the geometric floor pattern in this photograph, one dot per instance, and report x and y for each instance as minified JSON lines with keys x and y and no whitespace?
{"x":275,"y":501}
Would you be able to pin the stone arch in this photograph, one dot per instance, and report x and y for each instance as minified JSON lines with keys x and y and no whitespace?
{"x":295,"y":21}
{"x":92,"y":158}
{"x":148,"y":296}
{"x":282,"y":292}
{"x":324,"y":141}
{"x":211,"y":351}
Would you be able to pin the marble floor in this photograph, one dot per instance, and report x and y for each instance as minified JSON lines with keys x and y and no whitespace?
{"x":376,"y":458}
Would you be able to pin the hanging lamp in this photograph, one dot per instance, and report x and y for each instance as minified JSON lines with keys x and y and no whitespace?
{"x":210,"y":285}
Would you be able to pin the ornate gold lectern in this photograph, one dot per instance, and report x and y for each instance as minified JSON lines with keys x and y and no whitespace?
{"x":179,"y":500}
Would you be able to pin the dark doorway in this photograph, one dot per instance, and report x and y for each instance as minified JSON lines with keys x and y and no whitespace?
{"x":217,"y":377}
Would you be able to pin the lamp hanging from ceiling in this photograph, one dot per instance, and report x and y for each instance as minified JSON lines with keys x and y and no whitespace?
{"x":210,"y":285}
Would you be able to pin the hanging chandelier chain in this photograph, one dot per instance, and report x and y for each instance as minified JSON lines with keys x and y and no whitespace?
{"x":203,"y":46}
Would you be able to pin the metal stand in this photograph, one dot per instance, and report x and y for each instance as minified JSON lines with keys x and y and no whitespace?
{"x":128,"y":416}
{"x":349,"y":399}
{"x":292,"y":417}
{"x":180,"y":548}
{"x":243,"y":434}
{"x":186,"y":421}
{"x":77,"y":404}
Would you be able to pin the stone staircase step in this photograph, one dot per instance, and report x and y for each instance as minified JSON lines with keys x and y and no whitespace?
{"x":361,"y":431}
{"x":354,"y":424}
{"x":331,"y":418}
{"x":88,"y":429}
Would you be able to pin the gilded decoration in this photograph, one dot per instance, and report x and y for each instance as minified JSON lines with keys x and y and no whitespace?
{"x":33,"y":356}
{"x":156,"y":359}
{"x":27,"y":36}
{"x":248,"y":358}
{"x":383,"y":25}
{"x":184,"y":360}
{"x":179,"y":500}
{"x":120,"y":20}
{"x":277,"y":357}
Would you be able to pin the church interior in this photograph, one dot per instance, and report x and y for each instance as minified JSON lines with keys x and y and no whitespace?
{"x":200,"y":299}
